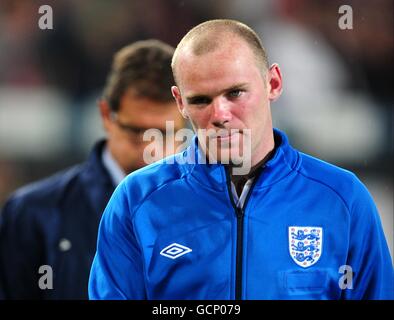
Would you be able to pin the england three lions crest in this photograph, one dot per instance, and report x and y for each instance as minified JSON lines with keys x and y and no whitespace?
{"x":305,"y":245}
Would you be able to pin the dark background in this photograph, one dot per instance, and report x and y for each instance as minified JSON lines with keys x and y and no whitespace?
{"x":337,"y":102}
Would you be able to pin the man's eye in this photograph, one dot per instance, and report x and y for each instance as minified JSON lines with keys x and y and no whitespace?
{"x":234,"y":93}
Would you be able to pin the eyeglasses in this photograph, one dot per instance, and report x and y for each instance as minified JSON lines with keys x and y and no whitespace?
{"x":134,"y":132}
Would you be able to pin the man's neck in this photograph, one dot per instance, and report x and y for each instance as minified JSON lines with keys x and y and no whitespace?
{"x":240,"y":180}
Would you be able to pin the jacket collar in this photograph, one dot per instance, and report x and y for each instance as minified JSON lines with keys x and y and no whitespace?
{"x":284,"y":160}
{"x":96,"y":179}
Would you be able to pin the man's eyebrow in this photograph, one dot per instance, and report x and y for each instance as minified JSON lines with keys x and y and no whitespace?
{"x":197,"y":97}
{"x":236,"y":87}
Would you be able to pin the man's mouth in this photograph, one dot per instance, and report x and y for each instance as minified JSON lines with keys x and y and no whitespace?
{"x":225,"y":134}
{"x":227,"y":138}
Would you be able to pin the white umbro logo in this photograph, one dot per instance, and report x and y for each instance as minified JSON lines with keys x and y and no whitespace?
{"x":174,"y":250}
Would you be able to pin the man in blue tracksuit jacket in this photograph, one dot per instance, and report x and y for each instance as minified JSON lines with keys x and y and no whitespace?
{"x":292,"y":227}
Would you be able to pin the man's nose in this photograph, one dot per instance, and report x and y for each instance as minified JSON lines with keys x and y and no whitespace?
{"x":221,"y":112}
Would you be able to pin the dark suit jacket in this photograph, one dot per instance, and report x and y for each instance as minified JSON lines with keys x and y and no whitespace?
{"x":53,"y":222}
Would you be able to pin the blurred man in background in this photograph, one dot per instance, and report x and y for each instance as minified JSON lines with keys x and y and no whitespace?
{"x":54,"y":222}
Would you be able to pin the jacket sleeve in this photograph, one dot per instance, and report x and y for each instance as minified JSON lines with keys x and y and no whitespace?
{"x":117,"y":269}
{"x":369,"y":256}
{"x":20,"y":252}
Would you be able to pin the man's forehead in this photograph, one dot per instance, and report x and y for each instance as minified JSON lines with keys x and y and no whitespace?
{"x":205,"y":70}
{"x":214,"y":76}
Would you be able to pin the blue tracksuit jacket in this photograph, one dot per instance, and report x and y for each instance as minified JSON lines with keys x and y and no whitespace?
{"x":308,"y":230}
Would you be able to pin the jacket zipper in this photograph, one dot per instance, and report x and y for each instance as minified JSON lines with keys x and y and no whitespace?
{"x":239,"y":212}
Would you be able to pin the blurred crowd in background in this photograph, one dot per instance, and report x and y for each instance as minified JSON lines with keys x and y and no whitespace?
{"x":337,"y":102}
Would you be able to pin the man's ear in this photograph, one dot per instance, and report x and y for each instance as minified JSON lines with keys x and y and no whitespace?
{"x":105,"y":113}
{"x":176,"y":93}
{"x":275,"y":82}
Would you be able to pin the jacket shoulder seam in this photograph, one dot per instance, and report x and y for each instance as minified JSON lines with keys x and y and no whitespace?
{"x":328,"y":186}
{"x":141,"y":202}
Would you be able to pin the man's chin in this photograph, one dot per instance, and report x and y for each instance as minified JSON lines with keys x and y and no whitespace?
{"x":225,"y":156}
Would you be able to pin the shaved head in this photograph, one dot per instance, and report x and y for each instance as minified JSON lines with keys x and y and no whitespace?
{"x":211,"y":35}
